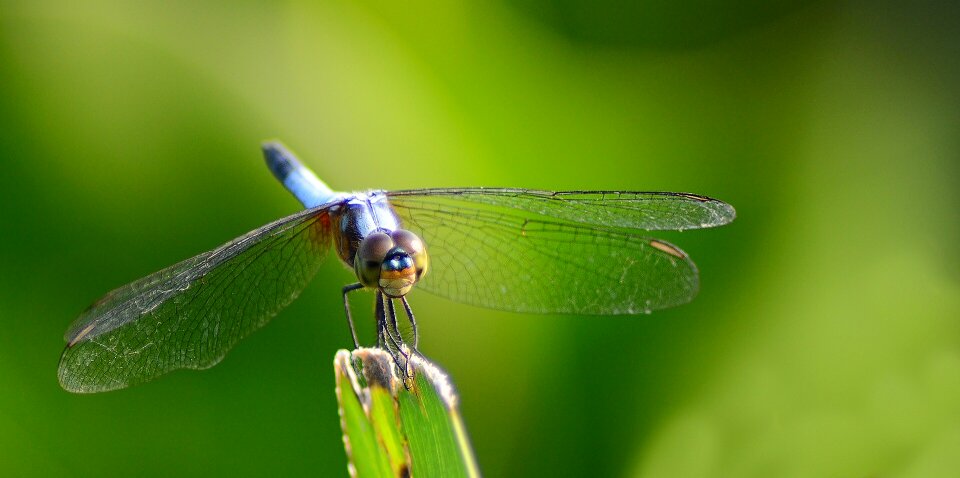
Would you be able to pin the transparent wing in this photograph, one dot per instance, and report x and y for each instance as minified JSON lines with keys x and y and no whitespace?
{"x":648,"y":211}
{"x":576,"y":252}
{"x":190,"y":314}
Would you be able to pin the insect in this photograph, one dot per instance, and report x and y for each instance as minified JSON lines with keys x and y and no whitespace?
{"x":569,"y":252}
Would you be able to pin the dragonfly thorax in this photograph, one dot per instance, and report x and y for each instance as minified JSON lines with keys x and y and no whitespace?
{"x":391,"y":261}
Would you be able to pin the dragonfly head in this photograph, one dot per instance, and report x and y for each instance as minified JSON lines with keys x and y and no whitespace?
{"x":392,"y":262}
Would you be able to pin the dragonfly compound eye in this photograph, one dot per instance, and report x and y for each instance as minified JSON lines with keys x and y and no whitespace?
{"x":370,"y":256}
{"x":413,"y":246}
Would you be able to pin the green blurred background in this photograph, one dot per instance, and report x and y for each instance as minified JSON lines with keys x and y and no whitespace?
{"x":825,"y":340}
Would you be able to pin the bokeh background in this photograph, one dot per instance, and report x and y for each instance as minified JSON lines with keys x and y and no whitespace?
{"x":825,"y":340}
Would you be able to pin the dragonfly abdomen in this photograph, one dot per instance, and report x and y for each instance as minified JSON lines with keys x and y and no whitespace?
{"x":297,"y":178}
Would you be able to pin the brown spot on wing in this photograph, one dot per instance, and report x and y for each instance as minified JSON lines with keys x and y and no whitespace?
{"x":320,"y":230}
{"x":669,"y":249}
{"x":695,"y":197}
{"x":83,"y":333}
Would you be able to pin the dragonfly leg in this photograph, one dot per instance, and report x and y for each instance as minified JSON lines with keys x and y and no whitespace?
{"x":391,"y":342}
{"x":392,"y":324}
{"x":387,"y":340}
{"x":413,"y":321}
{"x":399,"y":337}
{"x":346,"y":307}
{"x":378,"y":312}
{"x":384,"y":339}
{"x":387,"y":324}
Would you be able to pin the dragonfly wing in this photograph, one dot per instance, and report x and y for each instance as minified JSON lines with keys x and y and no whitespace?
{"x":190,"y":314}
{"x":648,"y":211}
{"x":514,"y":256}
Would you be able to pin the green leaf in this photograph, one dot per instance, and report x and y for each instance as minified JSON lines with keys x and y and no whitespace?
{"x":366,"y":456}
{"x":394,"y":427}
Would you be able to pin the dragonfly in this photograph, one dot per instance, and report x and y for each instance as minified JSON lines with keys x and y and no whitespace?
{"x":520,"y":250}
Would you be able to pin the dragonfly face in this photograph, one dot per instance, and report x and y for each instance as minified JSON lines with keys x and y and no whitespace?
{"x":392,"y":262}
{"x":521,"y":250}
